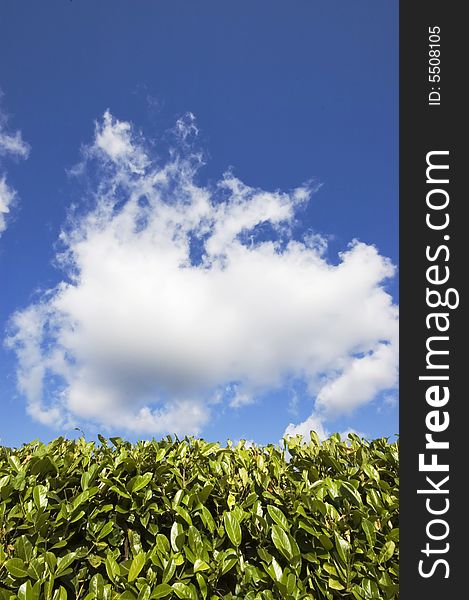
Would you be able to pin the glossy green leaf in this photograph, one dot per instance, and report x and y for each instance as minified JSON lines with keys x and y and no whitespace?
{"x":14,"y":463}
{"x":60,"y":594}
{"x":96,"y":586}
{"x":106,"y":530}
{"x":228,"y":564}
{"x":24,"y":548}
{"x":136,"y":566}
{"x":141,"y":482}
{"x":182,"y":591}
{"x":163,"y":544}
{"x":112,"y":568}
{"x":177,"y":536}
{"x":145,"y":592}
{"x":232,"y":528}
{"x":25,"y":591}
{"x":343,"y":548}
{"x":387,"y":551}
{"x":335,"y":585}
{"x":352,"y":492}
{"x":169,"y":571}
{"x":200,"y":565}
{"x":278,"y":517}
{"x":162,"y":591}
{"x":182,"y":512}
{"x":207,"y":519}
{"x":64,"y":562}
{"x":202,"y":585}
{"x":370,"y":531}
{"x":40,"y":496}
{"x":16,"y":567}
{"x":281,"y":541}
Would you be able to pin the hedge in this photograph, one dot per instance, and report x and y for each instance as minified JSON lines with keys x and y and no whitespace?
{"x":188,"y":519}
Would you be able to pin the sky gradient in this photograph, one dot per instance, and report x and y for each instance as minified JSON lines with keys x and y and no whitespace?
{"x":181,"y":180}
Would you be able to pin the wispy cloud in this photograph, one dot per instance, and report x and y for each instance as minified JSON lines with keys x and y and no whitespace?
{"x":13,"y":145}
{"x":178,"y":296}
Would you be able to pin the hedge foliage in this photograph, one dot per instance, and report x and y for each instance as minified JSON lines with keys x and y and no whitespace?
{"x":194,"y":520}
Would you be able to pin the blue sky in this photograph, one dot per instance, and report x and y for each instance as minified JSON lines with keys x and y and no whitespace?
{"x":293,"y":109}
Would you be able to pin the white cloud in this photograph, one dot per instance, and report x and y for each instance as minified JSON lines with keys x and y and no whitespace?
{"x":113,"y":140}
{"x":13,"y":144}
{"x":7,"y":195}
{"x":317,"y":424}
{"x":312,"y":423}
{"x":10,"y":144}
{"x":173,"y":302}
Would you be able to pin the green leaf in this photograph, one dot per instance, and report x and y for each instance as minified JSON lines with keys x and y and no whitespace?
{"x":182,"y":512}
{"x":281,"y":541}
{"x":228,"y":564}
{"x":387,"y":551}
{"x":195,"y":540}
{"x":169,"y":571}
{"x":177,"y":536}
{"x":77,"y":516}
{"x":370,"y":532}
{"x":106,"y":530}
{"x":136,"y":566}
{"x":294,"y":546}
{"x":135,"y":541}
{"x":141,"y":481}
{"x":182,"y":590}
{"x":80,"y":499}
{"x":25,"y":591}
{"x":264,"y":555}
{"x":276,"y":570}
{"x":371,"y":472}
{"x":370,"y":589}
{"x":120,"y":492}
{"x":161,"y":591}
{"x":16,"y":568}
{"x":177,"y":498}
{"x":40,"y":496}
{"x":96,"y":586}
{"x":112,"y":568}
{"x":207,"y":518}
{"x":24,"y":548}
{"x":200,"y":565}
{"x":162,"y":544}
{"x":35,"y":568}
{"x":202,"y":585}
{"x":335,"y":585}
{"x":343,"y":548}
{"x":326,"y":542}
{"x":330,"y":569}
{"x":205,"y":492}
{"x":64,"y":562}
{"x":51,"y":561}
{"x":278,"y":517}
{"x":291,"y":584}
{"x":352,"y":492}
{"x":145,"y":592}
{"x":232,"y":528}
{"x":60,"y":594}
{"x":14,"y":463}
{"x":95,"y":560}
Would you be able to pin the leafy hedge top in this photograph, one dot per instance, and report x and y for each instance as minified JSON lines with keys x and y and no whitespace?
{"x":190,"y":519}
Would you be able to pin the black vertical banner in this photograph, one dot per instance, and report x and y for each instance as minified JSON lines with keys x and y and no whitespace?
{"x":434,"y":509}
